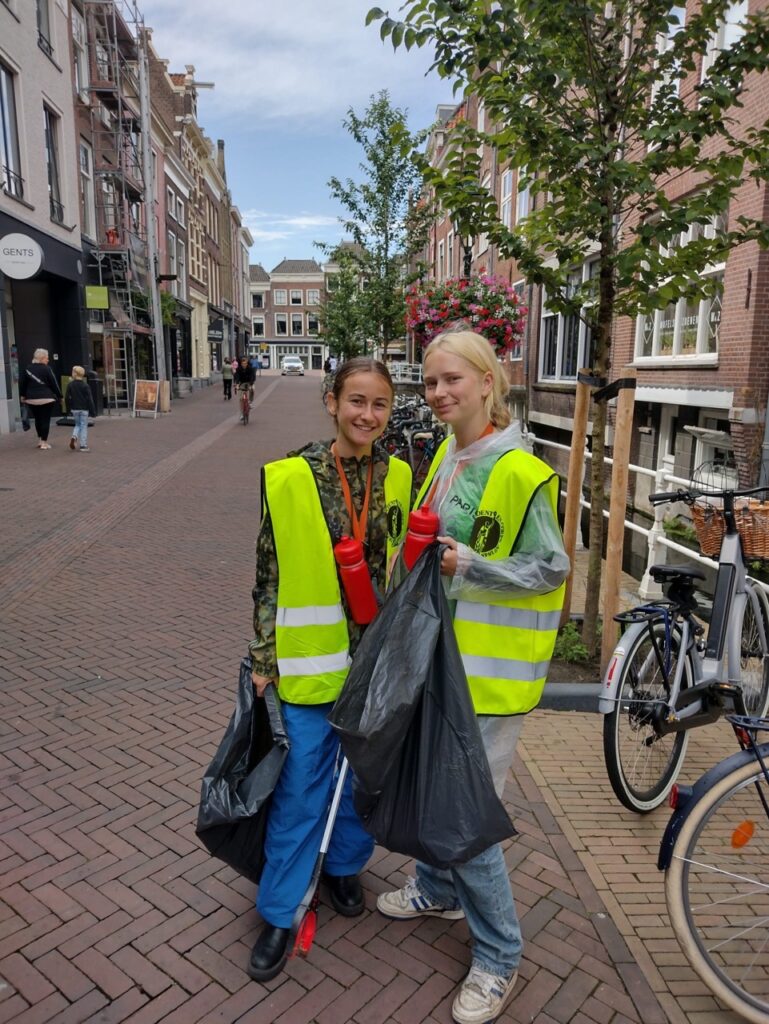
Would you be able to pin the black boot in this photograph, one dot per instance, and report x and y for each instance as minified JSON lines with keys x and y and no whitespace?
{"x":268,"y":957}
{"x":346,"y":894}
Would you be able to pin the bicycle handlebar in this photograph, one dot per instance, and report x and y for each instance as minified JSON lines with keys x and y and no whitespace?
{"x":689,"y":495}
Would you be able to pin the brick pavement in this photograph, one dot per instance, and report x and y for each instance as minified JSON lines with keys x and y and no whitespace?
{"x":124,"y":607}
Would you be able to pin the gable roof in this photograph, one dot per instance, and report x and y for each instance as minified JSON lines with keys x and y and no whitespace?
{"x":257,"y":274}
{"x":297,"y":267}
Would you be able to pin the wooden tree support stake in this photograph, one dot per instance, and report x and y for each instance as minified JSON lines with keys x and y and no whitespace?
{"x":573,"y":511}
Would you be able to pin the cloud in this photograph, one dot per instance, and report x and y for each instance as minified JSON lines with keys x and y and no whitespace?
{"x":299,"y":228}
{"x":302,"y":61}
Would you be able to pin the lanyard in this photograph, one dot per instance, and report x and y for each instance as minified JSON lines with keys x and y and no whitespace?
{"x":359,"y":523}
{"x":429,"y":499}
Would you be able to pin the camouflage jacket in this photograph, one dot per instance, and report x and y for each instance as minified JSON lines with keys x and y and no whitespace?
{"x":323,"y":465}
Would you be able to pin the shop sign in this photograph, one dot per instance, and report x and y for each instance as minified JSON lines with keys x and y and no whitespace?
{"x":146,"y":393}
{"x":21,"y":257}
{"x":96,"y":296}
{"x":216,"y":330}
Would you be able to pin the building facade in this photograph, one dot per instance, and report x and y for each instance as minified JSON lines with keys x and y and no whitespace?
{"x":287,"y":311}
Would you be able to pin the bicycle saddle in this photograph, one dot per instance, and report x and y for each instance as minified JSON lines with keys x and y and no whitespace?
{"x":665,"y":573}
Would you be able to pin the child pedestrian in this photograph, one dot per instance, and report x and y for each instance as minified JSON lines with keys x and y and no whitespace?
{"x":504,"y":571}
{"x":79,"y":402}
{"x":305,"y":636}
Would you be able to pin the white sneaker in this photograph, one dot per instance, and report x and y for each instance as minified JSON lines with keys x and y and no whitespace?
{"x":411,"y":902}
{"x":482,"y":997}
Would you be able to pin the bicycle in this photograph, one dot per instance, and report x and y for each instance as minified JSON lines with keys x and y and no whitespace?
{"x":663,"y":679}
{"x":245,"y":405}
{"x":715,"y":855}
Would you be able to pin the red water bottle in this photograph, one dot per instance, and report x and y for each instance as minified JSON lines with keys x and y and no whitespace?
{"x":422,"y":531}
{"x":356,"y":580}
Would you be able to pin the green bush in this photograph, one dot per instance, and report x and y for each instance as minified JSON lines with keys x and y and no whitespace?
{"x":569,"y":646}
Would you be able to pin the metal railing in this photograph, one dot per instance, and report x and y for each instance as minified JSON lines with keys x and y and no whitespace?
{"x":658,"y":542}
{"x":406,"y":373}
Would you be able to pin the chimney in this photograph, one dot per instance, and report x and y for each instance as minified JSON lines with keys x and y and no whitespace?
{"x":220,"y":158}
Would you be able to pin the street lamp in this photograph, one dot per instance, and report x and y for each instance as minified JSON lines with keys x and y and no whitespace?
{"x":465,"y":240}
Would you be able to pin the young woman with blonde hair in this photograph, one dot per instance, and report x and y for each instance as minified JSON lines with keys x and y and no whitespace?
{"x":504,"y":569}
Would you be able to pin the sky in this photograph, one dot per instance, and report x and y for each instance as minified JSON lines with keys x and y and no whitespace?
{"x":286,"y":72}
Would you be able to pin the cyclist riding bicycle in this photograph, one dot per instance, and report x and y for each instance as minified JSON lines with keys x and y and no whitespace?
{"x":245,"y":375}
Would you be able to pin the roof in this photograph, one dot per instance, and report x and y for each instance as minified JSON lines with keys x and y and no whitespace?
{"x":257,"y":274}
{"x":178,"y":78}
{"x":297,"y":267}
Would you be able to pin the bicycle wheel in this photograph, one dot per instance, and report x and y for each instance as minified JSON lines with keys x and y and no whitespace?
{"x":642,"y":766}
{"x":754,"y":647}
{"x":717,"y":890}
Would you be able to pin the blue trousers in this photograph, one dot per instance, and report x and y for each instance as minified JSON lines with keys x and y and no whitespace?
{"x":298,"y":815}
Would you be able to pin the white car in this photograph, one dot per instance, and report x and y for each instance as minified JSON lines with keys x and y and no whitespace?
{"x":292,"y":365}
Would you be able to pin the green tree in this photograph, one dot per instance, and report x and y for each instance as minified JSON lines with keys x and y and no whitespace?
{"x":340,"y":314}
{"x":382,"y":216}
{"x":595,"y":103}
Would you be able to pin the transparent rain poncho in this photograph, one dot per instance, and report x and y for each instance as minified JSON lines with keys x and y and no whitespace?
{"x":537,"y":564}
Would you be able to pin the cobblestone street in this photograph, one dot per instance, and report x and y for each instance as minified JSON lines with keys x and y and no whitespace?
{"x":125,"y":580}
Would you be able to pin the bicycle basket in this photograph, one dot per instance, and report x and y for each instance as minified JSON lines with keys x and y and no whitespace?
{"x":752,"y":519}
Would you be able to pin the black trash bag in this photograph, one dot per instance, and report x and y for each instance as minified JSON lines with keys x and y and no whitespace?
{"x":237,"y":786}
{"x":405,"y":718}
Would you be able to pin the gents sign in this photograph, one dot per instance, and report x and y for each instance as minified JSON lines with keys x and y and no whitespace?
{"x":20,"y":256}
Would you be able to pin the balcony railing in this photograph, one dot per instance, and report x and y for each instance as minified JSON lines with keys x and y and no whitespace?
{"x":12,"y":183}
{"x":45,"y":44}
{"x":57,"y":212}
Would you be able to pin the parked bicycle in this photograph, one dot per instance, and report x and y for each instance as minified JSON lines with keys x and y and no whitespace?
{"x":664,"y":679}
{"x":715,"y":855}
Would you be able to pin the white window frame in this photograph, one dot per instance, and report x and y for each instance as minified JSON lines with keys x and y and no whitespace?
{"x":280,"y":297}
{"x":87,"y":193}
{"x":180,"y":211}
{"x":258,"y":322}
{"x":297,"y":318}
{"x":296,"y":292}
{"x":80,"y":48}
{"x":709,"y":309}
{"x":284,"y":318}
{"x":516,"y":354}
{"x":441,"y":268}
{"x":556,"y":324}
{"x":313,"y":325}
{"x":11,"y":181}
{"x":171,"y":258}
{"x":521,"y":197}
{"x":52,"y":130}
{"x":44,"y":27}
{"x":313,"y":296}
{"x":729,"y":31}
{"x":665,"y":40}
{"x":506,"y":198}
{"x":170,"y":202}
{"x":450,"y":254}
{"x":257,"y":300}
{"x":483,"y":238}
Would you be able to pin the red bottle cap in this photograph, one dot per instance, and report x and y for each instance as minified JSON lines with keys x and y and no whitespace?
{"x":348,"y":551}
{"x":422,"y":520}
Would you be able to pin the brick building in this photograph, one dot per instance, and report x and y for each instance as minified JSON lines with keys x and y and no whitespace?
{"x":290,"y":312}
{"x":703,"y":366}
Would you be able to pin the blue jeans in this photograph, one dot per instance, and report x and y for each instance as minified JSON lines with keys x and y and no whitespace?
{"x":298,"y":814}
{"x":80,"y":433}
{"x":481,"y":887}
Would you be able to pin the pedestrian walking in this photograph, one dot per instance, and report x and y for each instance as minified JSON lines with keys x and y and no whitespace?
{"x":327,"y":365}
{"x":40,"y":391}
{"x":256,"y":365}
{"x":227,"y":375}
{"x":504,"y":569}
{"x":79,"y":402}
{"x":305,"y":635}
{"x":332,"y":364}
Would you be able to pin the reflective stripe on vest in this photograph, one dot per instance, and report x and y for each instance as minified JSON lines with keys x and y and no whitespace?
{"x":506,"y":645}
{"x":311,"y":637}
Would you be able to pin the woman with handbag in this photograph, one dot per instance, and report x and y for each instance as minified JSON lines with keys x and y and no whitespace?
{"x":504,"y":569}
{"x":40,"y":391}
{"x":319,"y":504}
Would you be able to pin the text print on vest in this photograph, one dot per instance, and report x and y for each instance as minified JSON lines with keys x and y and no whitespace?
{"x":488,"y":530}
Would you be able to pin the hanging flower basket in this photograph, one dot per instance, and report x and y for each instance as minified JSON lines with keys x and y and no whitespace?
{"x":487,"y":304}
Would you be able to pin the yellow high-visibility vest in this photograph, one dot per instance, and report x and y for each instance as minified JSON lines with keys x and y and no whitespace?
{"x":311,"y":635}
{"x":506,"y":643}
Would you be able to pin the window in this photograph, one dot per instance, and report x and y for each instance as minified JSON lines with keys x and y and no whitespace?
{"x":180,"y":211}
{"x":516,"y":350}
{"x":313,"y":296}
{"x":102,"y":62}
{"x":450,"y":254}
{"x":564,"y":338}
{"x":80,"y":47}
{"x":522,"y":197}
{"x":281,"y":325}
{"x":280,"y":297}
{"x":506,"y":213}
{"x":688,"y":327}
{"x":729,"y":31}
{"x":171,"y":258}
{"x":181,"y":270}
{"x":109,"y":204}
{"x":257,"y":301}
{"x":10,"y":164}
{"x":481,"y":125}
{"x":171,"y":203}
{"x":483,"y":238}
{"x":313,"y":325}
{"x":87,"y":198}
{"x":52,"y":159}
{"x":296,"y":296}
{"x":297,"y":325}
{"x":44,"y":27}
{"x":258,"y":326}
{"x":441,"y":261}
{"x":664,"y":45}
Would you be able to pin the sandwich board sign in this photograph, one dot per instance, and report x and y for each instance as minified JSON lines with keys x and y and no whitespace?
{"x":146,"y":393}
